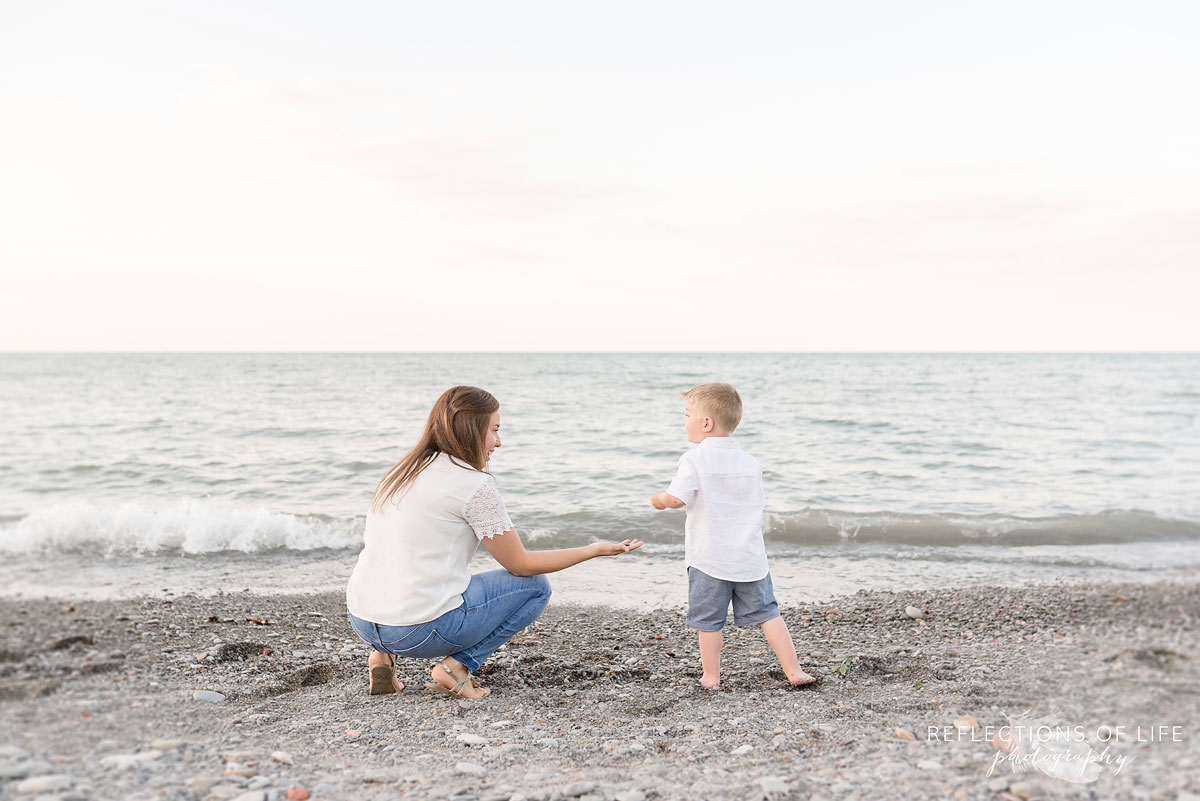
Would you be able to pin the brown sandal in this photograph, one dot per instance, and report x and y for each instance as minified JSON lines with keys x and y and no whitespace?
{"x":456,"y":690}
{"x":383,"y":678}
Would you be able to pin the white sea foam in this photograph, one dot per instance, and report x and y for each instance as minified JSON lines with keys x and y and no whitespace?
{"x":192,"y":527}
{"x":200,"y":527}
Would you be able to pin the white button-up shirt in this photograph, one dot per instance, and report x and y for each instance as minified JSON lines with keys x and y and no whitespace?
{"x":721,"y":487}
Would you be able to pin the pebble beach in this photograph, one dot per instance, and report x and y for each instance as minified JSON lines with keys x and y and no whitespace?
{"x":257,"y":698}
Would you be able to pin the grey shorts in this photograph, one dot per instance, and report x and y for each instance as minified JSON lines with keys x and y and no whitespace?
{"x":708,"y":601}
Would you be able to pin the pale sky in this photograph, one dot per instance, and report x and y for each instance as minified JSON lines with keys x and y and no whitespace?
{"x":498,"y":176}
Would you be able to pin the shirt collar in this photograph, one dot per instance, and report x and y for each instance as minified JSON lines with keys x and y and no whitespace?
{"x":719,"y":442}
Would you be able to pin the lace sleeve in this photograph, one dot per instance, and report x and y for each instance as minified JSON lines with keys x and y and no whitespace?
{"x":485,"y":512}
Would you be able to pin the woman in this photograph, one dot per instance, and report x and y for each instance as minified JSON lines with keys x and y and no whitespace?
{"x":411,"y":593}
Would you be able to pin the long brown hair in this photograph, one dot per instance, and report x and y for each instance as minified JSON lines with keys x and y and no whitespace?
{"x":456,"y":426}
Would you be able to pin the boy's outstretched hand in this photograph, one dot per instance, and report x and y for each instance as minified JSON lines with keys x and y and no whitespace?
{"x":614,"y":548}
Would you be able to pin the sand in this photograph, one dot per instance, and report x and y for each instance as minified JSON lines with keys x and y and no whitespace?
{"x":98,"y":700}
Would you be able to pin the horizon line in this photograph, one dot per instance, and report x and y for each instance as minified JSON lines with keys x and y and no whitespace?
{"x":601,"y":352}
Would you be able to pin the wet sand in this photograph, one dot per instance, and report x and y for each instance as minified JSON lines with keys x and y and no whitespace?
{"x":98,"y":700}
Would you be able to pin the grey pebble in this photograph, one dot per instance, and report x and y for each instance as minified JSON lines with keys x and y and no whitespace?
{"x":470,"y":769}
{"x":576,"y":789}
{"x":19,"y":770}
{"x":129,"y":761}
{"x":44,"y":784}
{"x":469,"y":738}
{"x":208,"y":696}
{"x":772,"y":784}
{"x":257,"y":795}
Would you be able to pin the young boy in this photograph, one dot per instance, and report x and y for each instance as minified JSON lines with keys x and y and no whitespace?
{"x":721,"y":486}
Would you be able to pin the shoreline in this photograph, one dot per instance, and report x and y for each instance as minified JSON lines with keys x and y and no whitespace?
{"x":640,"y":581}
{"x":601,"y":703}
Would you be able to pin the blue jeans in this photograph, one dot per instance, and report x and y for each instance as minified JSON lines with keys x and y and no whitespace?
{"x":496,"y":605}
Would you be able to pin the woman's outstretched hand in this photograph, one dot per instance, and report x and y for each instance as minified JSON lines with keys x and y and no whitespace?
{"x":614,"y":548}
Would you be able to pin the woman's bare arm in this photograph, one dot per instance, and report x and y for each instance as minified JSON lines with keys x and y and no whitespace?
{"x":509,"y":551}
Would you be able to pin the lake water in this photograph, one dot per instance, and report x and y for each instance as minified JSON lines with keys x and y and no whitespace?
{"x":132,"y":473}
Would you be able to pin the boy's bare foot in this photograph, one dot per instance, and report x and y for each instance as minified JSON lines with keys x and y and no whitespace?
{"x":800,"y":678}
{"x":381,"y":668}
{"x":469,"y":690}
{"x":709,"y":682}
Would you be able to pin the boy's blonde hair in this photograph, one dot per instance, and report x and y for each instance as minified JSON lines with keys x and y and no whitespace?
{"x":719,"y":401}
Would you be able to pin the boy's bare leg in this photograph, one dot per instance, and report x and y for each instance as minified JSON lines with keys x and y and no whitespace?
{"x":710,"y":658}
{"x":780,"y":640}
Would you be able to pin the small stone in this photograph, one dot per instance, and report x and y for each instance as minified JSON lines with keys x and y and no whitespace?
{"x":631,"y":795}
{"x":508,"y":748}
{"x":637,"y":748}
{"x":377,"y":778}
{"x":772,"y":784}
{"x":238,"y":769}
{"x":254,"y":795}
{"x":1022,"y":789}
{"x":283,"y":756}
{"x":44,"y":784}
{"x":127,"y":761}
{"x":576,"y":789}
{"x":240,"y":756}
{"x":13,"y":752}
{"x":166,"y":745}
{"x":549,"y":742}
{"x":904,"y":734}
{"x":929,"y":764}
{"x":296,"y":794}
{"x":914,"y":612}
{"x":1007,"y":742}
{"x":208,"y":696}
{"x":470,"y":769}
{"x":779,"y":741}
{"x":10,"y":771}
{"x":997,"y":784}
{"x":966,"y":723}
{"x":742,"y":749}
{"x":470,"y":738}
{"x":200,"y":783}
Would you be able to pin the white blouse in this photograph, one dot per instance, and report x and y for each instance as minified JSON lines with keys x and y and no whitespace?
{"x":413,"y":566}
